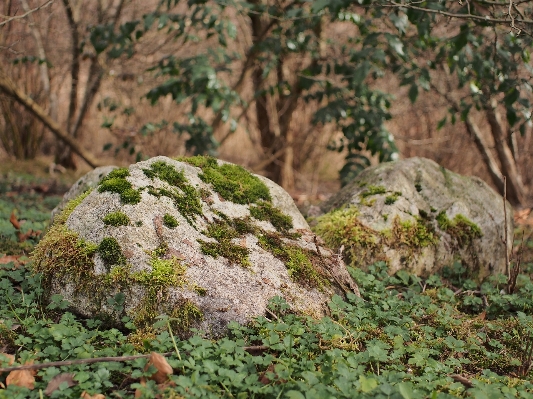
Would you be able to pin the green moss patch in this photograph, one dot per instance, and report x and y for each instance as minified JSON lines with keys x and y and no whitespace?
{"x":342,"y":228}
{"x":232,"y":182}
{"x":170,"y":221}
{"x":461,"y":229}
{"x":116,"y":219}
{"x":373,"y":190}
{"x":391,"y":199}
{"x":115,"y":182}
{"x":185,"y":197}
{"x":167,"y":173}
{"x":224,"y":230}
{"x":265,"y":211}
{"x":301,"y":264}
{"x":110,"y":252}
{"x":363,"y":245}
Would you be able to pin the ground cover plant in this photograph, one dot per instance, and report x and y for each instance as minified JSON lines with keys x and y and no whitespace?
{"x":406,"y":337}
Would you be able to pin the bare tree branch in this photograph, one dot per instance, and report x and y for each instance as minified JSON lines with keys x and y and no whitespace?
{"x":8,"y":18}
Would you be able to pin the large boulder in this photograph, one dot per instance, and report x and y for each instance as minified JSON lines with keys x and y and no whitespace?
{"x":202,"y":241}
{"x":418,"y":216}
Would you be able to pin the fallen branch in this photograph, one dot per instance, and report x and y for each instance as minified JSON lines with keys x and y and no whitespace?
{"x":10,"y":88}
{"x":258,"y":348}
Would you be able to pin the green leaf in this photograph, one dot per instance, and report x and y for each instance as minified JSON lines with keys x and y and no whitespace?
{"x":319,"y":5}
{"x":413,"y":92}
{"x":367,"y":384}
{"x":442,"y":122}
{"x":292,"y":394}
{"x":406,"y":390}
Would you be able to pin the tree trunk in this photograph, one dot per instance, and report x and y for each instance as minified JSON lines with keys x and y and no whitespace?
{"x":270,"y":142}
{"x":515,"y":187}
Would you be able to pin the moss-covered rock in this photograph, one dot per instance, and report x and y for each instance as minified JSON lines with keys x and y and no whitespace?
{"x":416,"y":215}
{"x":186,"y":239}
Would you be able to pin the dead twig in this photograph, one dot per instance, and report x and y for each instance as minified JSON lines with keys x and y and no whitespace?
{"x":8,"y":18}
{"x":249,"y":349}
{"x":463,"y":380}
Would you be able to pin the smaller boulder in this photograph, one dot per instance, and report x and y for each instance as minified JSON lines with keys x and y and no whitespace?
{"x":419,"y":216}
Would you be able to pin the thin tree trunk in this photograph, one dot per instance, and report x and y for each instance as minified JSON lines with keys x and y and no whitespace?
{"x":269,"y":140}
{"x":515,"y":188}
{"x":64,"y":155}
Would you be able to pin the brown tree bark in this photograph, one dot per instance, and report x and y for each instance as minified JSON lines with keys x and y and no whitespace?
{"x":515,"y":188}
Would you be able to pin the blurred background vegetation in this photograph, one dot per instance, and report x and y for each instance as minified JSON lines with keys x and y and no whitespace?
{"x":307,"y":93}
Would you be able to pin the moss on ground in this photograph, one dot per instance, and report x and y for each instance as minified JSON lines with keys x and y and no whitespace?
{"x":232,"y":182}
{"x":116,"y":219}
{"x":461,"y":229}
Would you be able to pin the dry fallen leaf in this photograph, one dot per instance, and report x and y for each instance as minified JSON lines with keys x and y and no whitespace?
{"x":85,"y":395}
{"x":162,"y":366}
{"x":54,"y":383}
{"x":14,"y":221}
{"x":30,"y":234}
{"x":4,"y":260}
{"x":21,"y":378}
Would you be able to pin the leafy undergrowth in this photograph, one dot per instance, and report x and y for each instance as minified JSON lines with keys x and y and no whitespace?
{"x":406,"y":337}
{"x":26,"y":200}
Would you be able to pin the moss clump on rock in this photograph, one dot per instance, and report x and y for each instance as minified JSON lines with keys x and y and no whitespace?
{"x":232,"y":182}
{"x":185,"y":197}
{"x":297,"y":260}
{"x":224,"y":230}
{"x":110,"y":252}
{"x":116,"y":219}
{"x":115,"y":182}
{"x":170,"y":221}
{"x":265,"y":211}
{"x":373,"y":190}
{"x":391,"y":199}
{"x":341,"y":227}
{"x":461,"y":229}
{"x":166,"y":172}
{"x":413,"y":234}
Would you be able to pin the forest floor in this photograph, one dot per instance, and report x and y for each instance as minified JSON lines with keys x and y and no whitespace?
{"x":440,"y":337}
